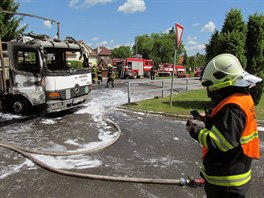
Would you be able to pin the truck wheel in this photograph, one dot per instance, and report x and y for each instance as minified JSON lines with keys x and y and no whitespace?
{"x":135,"y":75}
{"x":20,"y":106}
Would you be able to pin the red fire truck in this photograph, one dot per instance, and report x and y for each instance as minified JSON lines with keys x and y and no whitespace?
{"x":135,"y":67}
{"x":166,"y":69}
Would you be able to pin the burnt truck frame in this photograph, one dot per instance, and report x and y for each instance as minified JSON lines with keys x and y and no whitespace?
{"x":34,"y":72}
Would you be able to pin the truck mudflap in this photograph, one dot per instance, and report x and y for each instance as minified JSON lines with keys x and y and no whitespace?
{"x":60,"y":105}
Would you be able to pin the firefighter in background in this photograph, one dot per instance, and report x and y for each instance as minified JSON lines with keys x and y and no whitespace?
{"x":152,"y":73}
{"x":94,"y":72}
{"x":110,"y":75}
{"x":230,"y":137}
{"x":100,"y":73}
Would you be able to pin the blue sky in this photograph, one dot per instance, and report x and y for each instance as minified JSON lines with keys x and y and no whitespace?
{"x":112,"y":23}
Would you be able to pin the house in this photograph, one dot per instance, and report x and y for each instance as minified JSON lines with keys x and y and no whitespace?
{"x":105,"y":62}
{"x":93,"y":58}
{"x":102,"y":52}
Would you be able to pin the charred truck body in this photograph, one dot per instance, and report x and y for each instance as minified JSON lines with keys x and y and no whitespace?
{"x":34,"y":72}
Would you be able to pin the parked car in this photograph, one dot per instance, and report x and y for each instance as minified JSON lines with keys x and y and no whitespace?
{"x":198,"y":72}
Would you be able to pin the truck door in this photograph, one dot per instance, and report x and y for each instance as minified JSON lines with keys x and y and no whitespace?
{"x":25,"y":68}
{"x":138,"y":66}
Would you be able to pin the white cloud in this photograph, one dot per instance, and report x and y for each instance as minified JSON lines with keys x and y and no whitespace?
{"x":132,"y":6}
{"x":196,"y":47}
{"x":127,"y":44}
{"x":95,"y":39}
{"x":168,"y":30}
{"x":196,"y":24}
{"x":87,"y":3}
{"x":209,"y":27}
{"x":90,"y":3}
{"x":192,"y":40}
{"x":47,"y":23}
{"x":73,"y":3}
{"x":105,"y":43}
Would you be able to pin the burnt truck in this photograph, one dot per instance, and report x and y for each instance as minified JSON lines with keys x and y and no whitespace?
{"x":35,"y":72}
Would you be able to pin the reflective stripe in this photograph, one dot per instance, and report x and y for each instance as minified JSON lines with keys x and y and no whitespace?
{"x":202,"y":137}
{"x":248,"y":138}
{"x":233,"y":180}
{"x":220,"y":140}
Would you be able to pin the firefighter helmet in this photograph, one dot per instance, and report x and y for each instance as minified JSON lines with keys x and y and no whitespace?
{"x":225,"y":70}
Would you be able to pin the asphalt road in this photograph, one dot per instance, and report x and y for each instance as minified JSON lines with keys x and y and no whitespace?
{"x":150,"y":146}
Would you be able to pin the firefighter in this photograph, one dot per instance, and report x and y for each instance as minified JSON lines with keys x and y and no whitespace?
{"x":230,"y":137}
{"x":110,"y":75}
{"x":100,"y":73}
{"x":152,"y":73}
{"x":94,"y":72}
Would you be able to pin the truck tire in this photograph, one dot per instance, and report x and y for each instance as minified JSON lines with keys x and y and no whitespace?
{"x":135,"y":75}
{"x":20,"y":106}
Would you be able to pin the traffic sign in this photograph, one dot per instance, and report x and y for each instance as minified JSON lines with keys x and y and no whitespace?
{"x":179,"y":32}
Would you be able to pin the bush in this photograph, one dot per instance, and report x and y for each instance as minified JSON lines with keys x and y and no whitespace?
{"x":75,"y":64}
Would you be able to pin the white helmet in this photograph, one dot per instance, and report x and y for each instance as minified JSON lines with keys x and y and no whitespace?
{"x":225,"y":70}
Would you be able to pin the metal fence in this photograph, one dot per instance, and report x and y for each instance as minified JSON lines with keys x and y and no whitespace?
{"x":160,"y":86}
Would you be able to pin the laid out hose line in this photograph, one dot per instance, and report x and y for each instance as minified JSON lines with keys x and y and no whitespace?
{"x":68,"y":153}
{"x":90,"y":176}
{"x":28,"y":154}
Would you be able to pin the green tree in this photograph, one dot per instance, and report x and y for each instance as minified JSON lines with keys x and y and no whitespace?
{"x":9,"y":25}
{"x":255,"y":52}
{"x":121,"y":52}
{"x":197,"y":61}
{"x":233,"y":35}
{"x":213,"y":48}
{"x":231,"y":39}
{"x":158,"y":47}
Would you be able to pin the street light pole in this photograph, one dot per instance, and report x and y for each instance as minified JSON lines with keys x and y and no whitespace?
{"x":35,"y":16}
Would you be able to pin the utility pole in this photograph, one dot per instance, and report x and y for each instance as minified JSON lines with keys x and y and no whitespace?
{"x":35,"y":16}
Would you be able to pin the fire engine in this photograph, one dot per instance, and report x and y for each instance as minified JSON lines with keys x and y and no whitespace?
{"x":134,"y":67}
{"x":166,"y":69}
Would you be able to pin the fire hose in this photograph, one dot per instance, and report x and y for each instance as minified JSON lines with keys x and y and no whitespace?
{"x":28,"y":154}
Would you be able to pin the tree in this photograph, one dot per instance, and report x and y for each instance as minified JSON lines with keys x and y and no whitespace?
{"x":231,"y":39}
{"x":186,"y":61}
{"x":213,"y":47}
{"x":255,"y":52}
{"x":158,"y":47}
{"x":9,"y":25}
{"x":197,"y":61}
{"x":233,"y":35}
{"x":121,"y":52}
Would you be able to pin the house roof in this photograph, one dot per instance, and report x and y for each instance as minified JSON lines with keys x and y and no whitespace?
{"x":106,"y":61}
{"x":102,"y":51}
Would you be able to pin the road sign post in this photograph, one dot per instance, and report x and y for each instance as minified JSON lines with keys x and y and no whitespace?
{"x":179,"y":31}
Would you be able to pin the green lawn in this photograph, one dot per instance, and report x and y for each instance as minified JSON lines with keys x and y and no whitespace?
{"x":183,"y":103}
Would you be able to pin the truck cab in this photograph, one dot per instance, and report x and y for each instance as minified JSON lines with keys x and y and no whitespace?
{"x":37,"y":73}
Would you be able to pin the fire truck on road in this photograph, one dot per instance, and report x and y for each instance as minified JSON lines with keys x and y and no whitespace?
{"x":134,"y":67}
{"x":166,"y":69}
